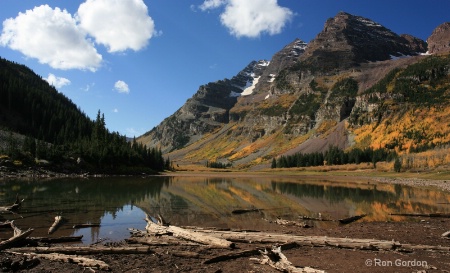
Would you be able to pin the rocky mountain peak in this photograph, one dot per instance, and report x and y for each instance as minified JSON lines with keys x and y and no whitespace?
{"x":206,"y":110}
{"x":286,"y":57}
{"x":348,"y":40}
{"x":439,"y":41}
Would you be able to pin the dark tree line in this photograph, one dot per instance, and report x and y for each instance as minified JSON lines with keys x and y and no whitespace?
{"x":56,"y":129}
{"x":217,"y":165}
{"x":334,"y":156}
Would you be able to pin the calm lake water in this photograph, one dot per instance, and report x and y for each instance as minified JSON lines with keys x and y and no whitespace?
{"x":121,"y":203}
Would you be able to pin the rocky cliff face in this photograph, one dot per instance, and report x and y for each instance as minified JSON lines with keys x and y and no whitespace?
{"x":349,"y":40}
{"x":439,"y":41}
{"x":333,"y":91}
{"x":207,"y":110}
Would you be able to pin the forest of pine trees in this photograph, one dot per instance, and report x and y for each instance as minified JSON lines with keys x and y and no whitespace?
{"x":334,"y":156}
{"x":56,"y":129}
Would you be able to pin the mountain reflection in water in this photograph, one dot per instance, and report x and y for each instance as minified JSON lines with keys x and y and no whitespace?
{"x":120,"y":203}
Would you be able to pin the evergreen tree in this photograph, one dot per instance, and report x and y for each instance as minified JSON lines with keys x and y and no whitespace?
{"x":274,"y":163}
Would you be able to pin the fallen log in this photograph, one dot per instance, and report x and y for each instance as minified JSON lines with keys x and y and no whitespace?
{"x":14,"y":208}
{"x":291,"y":223}
{"x":443,"y":215}
{"x":85,"y":226}
{"x":161,"y":241}
{"x":351,"y":219}
{"x":316,"y":219}
{"x":62,"y":239}
{"x":244,"y":253}
{"x":187,"y":235}
{"x":319,"y":241}
{"x":411,"y":248}
{"x":85,"y":250}
{"x":18,"y":236}
{"x":276,"y":259}
{"x":82,"y":261}
{"x":274,"y":238}
{"x":58,"y":220}
{"x":185,"y":254}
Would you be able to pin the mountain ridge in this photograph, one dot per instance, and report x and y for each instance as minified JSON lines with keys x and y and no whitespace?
{"x":306,"y":92}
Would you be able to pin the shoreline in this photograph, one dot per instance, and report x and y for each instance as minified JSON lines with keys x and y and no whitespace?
{"x":339,"y":176}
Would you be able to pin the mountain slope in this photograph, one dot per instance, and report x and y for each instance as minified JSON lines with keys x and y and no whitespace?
{"x":351,"y":86}
{"x":36,"y":121}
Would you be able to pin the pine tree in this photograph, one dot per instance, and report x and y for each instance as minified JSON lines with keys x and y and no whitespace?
{"x":274,"y":163}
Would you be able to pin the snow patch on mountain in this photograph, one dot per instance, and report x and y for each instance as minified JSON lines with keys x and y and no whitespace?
{"x":249,"y":90}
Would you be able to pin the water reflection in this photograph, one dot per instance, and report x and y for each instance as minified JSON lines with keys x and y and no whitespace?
{"x":120,"y":203}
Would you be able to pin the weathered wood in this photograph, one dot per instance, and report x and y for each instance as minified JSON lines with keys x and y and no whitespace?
{"x":55,"y":225}
{"x":62,"y":239}
{"x":319,"y":241}
{"x":291,"y":223}
{"x":276,"y":259}
{"x":442,"y":215}
{"x":82,"y":261}
{"x":160,"y":241}
{"x":187,"y":235}
{"x":316,"y":219}
{"x":18,"y":236}
{"x":274,"y":238}
{"x":351,"y":219}
{"x":185,"y":254}
{"x":446,"y":234}
{"x":85,"y":225}
{"x":411,"y":248}
{"x":85,"y":250}
{"x":14,"y":208}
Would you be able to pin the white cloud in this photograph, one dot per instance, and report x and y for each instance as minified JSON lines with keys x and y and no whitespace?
{"x":121,"y":87}
{"x":115,"y":110}
{"x":117,"y":24}
{"x":88,"y":87}
{"x":211,"y":4}
{"x":51,"y":36}
{"x":57,"y":82}
{"x":251,"y":18}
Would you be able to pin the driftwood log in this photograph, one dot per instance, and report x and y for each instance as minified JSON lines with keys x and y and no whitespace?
{"x":187,"y":235}
{"x":283,"y":222}
{"x":82,"y":261}
{"x":276,"y":259}
{"x":85,"y":250}
{"x":62,"y":239}
{"x":55,"y":225}
{"x":18,"y":236}
{"x":14,"y":208}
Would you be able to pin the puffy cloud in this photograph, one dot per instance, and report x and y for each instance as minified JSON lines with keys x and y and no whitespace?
{"x":53,"y":37}
{"x":121,"y":87}
{"x":57,"y":82}
{"x":251,"y":18}
{"x":115,"y":110}
{"x":211,"y":4}
{"x":117,"y":24}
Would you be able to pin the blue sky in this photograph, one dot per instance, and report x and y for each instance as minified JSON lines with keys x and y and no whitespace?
{"x":138,"y":61}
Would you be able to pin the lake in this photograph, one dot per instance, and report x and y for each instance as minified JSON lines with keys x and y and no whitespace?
{"x":119,"y":203}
